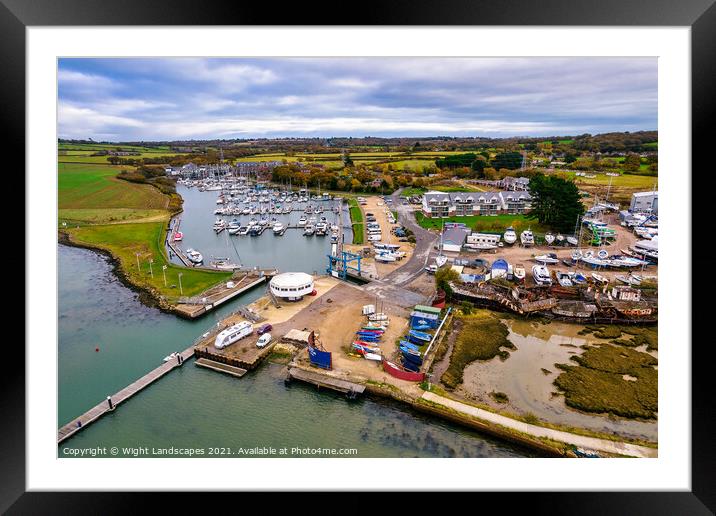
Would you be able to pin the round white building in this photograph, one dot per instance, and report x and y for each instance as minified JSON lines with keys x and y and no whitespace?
{"x":291,"y":286}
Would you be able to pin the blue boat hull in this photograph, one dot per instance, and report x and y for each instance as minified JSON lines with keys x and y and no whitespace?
{"x":410,"y":367}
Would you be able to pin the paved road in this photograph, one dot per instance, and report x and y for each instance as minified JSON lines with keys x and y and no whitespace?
{"x":424,"y":244}
{"x":582,"y":441}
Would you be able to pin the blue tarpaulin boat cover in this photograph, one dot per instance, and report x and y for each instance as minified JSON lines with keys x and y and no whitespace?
{"x":320,"y":358}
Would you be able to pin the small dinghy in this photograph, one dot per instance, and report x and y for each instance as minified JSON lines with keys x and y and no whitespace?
{"x":178,"y":236}
{"x":599,"y":278}
{"x":171,"y":356}
{"x":410,"y":366}
{"x":409,"y":345}
{"x":564,"y":280}
{"x":425,"y":337}
{"x":550,"y":258}
{"x":632,"y":279}
{"x":578,"y":279}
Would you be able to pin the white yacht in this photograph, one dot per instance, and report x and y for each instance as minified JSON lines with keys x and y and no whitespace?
{"x":510,"y":236}
{"x":194,"y":256}
{"x":308,"y":230}
{"x":302,"y":221}
{"x":278,"y":228}
{"x":541,"y":275}
{"x":232,"y":334}
{"x":549,"y":238}
{"x":219,"y":225}
{"x":527,"y":238}
{"x":233,"y":227}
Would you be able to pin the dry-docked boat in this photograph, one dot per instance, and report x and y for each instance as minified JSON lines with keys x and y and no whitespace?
{"x":549,"y":258}
{"x":549,"y":238}
{"x":527,"y":238}
{"x":510,"y":236}
{"x":541,"y":275}
{"x":599,"y":278}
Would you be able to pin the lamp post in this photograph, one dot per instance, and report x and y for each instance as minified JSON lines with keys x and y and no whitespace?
{"x":180,"y":289}
{"x":137,"y":255}
{"x":164,"y":268}
{"x":151,"y":273}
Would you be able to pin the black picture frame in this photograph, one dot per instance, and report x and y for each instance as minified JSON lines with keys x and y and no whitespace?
{"x":700,"y":15}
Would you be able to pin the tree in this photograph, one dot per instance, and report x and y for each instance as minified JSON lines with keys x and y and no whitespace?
{"x":555,"y":202}
{"x":511,"y":160}
{"x":632,"y":163}
{"x":443,"y":277}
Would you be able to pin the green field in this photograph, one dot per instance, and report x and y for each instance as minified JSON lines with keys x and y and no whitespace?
{"x":124,"y":241}
{"x":410,"y":191}
{"x":94,"y":147}
{"x":96,"y":188}
{"x":86,"y":157}
{"x":487,"y":223}
{"x":357,"y":220}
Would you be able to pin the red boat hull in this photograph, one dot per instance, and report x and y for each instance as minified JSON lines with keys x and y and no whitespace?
{"x":394,"y":370}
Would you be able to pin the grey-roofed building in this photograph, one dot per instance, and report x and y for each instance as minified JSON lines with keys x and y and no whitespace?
{"x":516,"y":183}
{"x":516,"y":202}
{"x":647,"y":202}
{"x":454,"y":238}
{"x":437,"y":204}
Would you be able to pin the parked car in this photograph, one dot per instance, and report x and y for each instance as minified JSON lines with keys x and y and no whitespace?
{"x":263,"y":329}
{"x":263,"y":340}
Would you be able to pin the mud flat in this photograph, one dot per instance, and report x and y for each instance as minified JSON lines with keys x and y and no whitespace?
{"x":527,"y":377}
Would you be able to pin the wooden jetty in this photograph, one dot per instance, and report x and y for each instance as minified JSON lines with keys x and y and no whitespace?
{"x":326,"y":381}
{"x":113,"y":401}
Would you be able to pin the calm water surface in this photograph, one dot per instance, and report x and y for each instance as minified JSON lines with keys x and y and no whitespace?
{"x":290,"y":252}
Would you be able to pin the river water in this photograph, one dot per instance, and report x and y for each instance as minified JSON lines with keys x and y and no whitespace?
{"x":107,"y":339}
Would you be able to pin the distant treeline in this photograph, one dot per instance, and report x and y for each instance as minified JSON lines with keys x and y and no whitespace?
{"x":640,"y":141}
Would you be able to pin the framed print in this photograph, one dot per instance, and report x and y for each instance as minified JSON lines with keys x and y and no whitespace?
{"x":290,"y":257}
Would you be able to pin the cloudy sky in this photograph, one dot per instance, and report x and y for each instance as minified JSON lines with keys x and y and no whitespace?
{"x":192,"y":98}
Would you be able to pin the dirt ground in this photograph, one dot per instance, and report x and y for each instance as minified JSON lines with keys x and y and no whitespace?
{"x":335,"y":318}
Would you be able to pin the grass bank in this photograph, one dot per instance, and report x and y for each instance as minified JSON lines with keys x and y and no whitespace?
{"x":357,"y":221}
{"x":480,"y":336}
{"x":126,"y":241}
